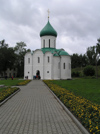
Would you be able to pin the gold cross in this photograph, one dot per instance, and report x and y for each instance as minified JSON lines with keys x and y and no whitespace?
{"x":48,"y":13}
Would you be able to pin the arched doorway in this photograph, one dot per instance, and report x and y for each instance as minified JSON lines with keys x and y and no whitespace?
{"x":38,"y":74}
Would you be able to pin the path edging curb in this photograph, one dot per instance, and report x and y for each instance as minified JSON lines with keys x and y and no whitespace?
{"x":79,"y":125}
{"x":9,"y":97}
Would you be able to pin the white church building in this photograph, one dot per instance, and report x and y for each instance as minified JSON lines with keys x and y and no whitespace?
{"x":47,"y":62}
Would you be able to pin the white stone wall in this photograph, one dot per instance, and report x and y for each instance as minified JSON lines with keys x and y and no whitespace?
{"x":56,"y":67}
{"x":36,"y":65}
{"x":28,"y":65}
{"x":65,"y":73}
{"x":52,"y":41}
{"x":48,"y":65}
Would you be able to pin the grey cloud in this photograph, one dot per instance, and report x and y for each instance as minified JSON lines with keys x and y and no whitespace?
{"x":76,"y":22}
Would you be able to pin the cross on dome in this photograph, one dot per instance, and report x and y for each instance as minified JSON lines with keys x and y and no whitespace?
{"x":48,"y":13}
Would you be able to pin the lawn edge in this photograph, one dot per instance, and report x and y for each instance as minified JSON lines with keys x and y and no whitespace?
{"x":79,"y":125}
{"x":1,"y":103}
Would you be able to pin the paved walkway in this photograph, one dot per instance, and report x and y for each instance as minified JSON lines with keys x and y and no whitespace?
{"x":34,"y":110}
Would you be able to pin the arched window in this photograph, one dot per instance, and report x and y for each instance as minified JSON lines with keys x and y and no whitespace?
{"x":49,"y":43}
{"x":43,"y":43}
{"x":38,"y":59}
{"x":64,"y":66}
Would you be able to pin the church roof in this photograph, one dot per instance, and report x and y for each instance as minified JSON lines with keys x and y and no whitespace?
{"x":55,"y":52}
{"x":48,"y":30}
{"x":63,"y":53}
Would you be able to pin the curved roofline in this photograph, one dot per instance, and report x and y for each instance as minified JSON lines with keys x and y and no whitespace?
{"x":48,"y":30}
{"x":37,"y":50}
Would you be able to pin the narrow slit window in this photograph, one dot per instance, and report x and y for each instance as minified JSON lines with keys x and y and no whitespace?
{"x":44,"y":43}
{"x":38,"y":59}
{"x":64,"y":65}
{"x":48,"y":59}
{"x":28,"y":60}
{"x":49,"y":43}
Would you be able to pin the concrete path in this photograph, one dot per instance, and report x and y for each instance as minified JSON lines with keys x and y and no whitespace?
{"x":34,"y":110}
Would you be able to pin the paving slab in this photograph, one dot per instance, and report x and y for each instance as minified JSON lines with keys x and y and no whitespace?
{"x":34,"y":110}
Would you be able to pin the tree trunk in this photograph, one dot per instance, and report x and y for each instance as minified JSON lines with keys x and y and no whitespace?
{"x":96,"y":70}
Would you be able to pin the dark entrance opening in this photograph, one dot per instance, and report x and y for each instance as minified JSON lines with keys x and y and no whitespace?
{"x":38,"y":74}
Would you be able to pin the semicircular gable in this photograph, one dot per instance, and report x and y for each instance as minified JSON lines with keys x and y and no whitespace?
{"x":28,"y":53}
{"x":37,"y":52}
{"x":48,"y":52}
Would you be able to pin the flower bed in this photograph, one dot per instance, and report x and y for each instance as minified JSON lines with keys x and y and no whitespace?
{"x":23,"y":82}
{"x":6,"y":92}
{"x":86,"y":111}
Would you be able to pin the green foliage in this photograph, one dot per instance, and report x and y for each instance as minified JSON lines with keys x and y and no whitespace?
{"x":89,"y":71}
{"x":7,"y":56}
{"x":20,"y":51}
{"x":80,"y":69}
{"x":76,"y":74}
{"x":91,"y":57}
{"x":12,"y":57}
{"x":78,"y":60}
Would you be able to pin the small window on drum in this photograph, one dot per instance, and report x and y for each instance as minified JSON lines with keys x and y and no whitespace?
{"x":43,"y":43}
{"x":49,"y":43}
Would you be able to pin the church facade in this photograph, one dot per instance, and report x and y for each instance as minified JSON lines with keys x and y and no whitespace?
{"x":47,"y":62}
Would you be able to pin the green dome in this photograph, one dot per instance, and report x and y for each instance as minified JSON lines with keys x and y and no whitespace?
{"x":63,"y":53}
{"x":48,"y":30}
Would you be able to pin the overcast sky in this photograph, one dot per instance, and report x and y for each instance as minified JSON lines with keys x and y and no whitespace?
{"x":77,"y":22}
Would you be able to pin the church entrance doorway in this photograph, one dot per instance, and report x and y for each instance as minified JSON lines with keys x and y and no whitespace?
{"x":38,"y":74}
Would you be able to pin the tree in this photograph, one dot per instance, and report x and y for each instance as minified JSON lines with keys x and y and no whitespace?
{"x":97,"y":55}
{"x":79,"y":60}
{"x":91,"y":54}
{"x":20,"y":51}
{"x":98,"y":48}
{"x":75,"y":60}
{"x":3,"y":44}
{"x":84,"y":60}
{"x":7,"y":56}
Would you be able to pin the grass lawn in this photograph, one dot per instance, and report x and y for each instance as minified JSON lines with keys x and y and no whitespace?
{"x":10,"y":82}
{"x":87,"y":88}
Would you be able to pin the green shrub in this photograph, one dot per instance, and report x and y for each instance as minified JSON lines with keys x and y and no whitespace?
{"x":75,"y":74}
{"x":89,"y":71}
